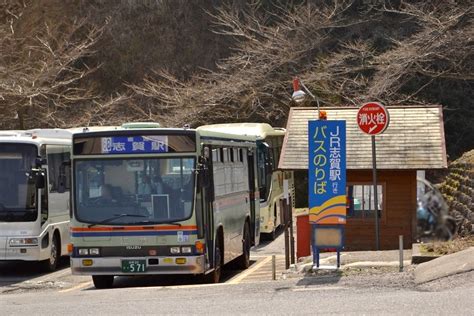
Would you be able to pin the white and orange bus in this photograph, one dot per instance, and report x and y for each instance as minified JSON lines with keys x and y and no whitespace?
{"x":152,"y":200}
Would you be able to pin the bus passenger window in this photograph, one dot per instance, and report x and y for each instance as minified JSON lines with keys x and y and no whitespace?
{"x":224,"y":157}
{"x":215,"y":155}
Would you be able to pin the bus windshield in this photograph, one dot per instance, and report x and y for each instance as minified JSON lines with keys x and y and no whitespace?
{"x":134,"y":191}
{"x":17,"y":194}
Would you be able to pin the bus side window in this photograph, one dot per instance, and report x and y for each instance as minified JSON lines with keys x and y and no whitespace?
{"x":215,"y":155}
{"x":224,"y":152}
{"x":59,"y":169}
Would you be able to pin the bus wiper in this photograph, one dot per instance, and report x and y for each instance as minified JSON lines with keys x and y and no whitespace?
{"x":116,"y":216}
{"x":172,"y":223}
{"x":159,"y":223}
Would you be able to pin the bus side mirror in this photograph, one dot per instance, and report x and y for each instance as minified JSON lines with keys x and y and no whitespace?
{"x":268,"y":158}
{"x":40,"y":179}
{"x":203,"y":173}
{"x":39,"y":162}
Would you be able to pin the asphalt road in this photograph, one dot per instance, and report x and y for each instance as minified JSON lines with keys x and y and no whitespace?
{"x":25,"y":290}
{"x":23,"y":277}
{"x":278,"y":297}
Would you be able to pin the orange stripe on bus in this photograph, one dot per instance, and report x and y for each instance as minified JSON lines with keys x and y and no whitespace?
{"x":128,"y":228}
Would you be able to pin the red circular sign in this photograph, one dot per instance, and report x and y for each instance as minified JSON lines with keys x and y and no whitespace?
{"x":373,"y":118}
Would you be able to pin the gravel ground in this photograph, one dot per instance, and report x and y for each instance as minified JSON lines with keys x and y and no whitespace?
{"x":377,"y":277}
{"x":381,"y":278}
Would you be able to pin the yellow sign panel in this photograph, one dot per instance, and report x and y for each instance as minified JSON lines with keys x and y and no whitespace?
{"x":331,"y":212}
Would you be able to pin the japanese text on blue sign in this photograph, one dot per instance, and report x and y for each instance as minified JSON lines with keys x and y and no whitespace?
{"x":135,"y":144}
{"x":327,"y":172}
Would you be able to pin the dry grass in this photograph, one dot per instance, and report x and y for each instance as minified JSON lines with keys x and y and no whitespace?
{"x":448,"y":247}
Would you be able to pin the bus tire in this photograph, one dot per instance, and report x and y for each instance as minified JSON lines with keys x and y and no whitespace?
{"x":244,"y":260}
{"x":215,"y":275}
{"x":51,"y":264}
{"x":103,"y":281}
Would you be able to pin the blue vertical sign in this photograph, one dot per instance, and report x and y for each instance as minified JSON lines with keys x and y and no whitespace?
{"x":327,"y":172}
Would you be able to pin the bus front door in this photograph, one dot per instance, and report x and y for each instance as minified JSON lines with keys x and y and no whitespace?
{"x":254,"y":218}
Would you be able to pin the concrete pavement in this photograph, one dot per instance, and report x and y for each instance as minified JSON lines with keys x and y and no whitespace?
{"x":459,"y":262}
{"x":356,"y":259}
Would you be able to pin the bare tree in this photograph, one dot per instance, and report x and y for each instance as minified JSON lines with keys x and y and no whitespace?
{"x":42,"y":75}
{"x":336,"y":50}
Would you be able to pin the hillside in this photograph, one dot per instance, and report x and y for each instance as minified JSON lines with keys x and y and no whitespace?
{"x":458,"y":191}
{"x":88,"y":62}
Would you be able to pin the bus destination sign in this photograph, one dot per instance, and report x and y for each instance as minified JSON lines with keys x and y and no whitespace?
{"x":135,"y":144}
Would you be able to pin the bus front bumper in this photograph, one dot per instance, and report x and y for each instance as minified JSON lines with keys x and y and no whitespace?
{"x":113,"y":265}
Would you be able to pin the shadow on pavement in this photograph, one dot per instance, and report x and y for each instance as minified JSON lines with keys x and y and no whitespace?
{"x":172,"y":280}
{"x":321,"y":278}
{"x":12,"y":272}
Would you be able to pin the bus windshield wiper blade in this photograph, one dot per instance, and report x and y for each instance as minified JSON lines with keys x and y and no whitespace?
{"x":172,"y":223}
{"x":116,"y":216}
{"x":158,"y":223}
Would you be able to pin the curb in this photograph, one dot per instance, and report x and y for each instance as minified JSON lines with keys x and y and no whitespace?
{"x":447,"y":265}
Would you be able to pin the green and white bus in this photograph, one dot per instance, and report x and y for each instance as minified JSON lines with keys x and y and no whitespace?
{"x":270,"y":179}
{"x":151,"y":200}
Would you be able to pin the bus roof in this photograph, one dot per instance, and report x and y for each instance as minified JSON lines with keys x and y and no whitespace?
{"x":37,"y":136}
{"x":259,"y":130}
{"x":207,"y":131}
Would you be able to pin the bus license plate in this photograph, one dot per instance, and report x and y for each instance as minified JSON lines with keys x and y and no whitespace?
{"x":133,"y":266}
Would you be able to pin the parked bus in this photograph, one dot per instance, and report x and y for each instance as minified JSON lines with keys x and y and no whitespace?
{"x":34,"y":195}
{"x":151,"y":200}
{"x":270,"y":179}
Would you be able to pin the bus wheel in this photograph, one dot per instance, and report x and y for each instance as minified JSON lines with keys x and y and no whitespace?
{"x":103,"y":281}
{"x":215,"y":276}
{"x":244,"y":260}
{"x":51,"y":263}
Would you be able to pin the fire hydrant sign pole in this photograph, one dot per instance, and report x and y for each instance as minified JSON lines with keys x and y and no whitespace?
{"x":373,"y":119}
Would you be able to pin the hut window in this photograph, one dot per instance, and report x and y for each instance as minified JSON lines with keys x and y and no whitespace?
{"x":361,"y":202}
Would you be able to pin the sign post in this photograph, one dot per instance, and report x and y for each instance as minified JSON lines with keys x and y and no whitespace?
{"x":327,"y":185}
{"x":373,"y":119}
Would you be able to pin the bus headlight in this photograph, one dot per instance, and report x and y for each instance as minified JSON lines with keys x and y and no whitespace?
{"x":83,"y":251}
{"x":175,"y":250}
{"x":186,"y":249}
{"x":94,"y":251}
{"x":88,"y":251}
{"x":21,"y":242}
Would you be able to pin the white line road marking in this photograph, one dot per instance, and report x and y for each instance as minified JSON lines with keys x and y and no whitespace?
{"x":244,"y":274}
{"x":323,"y":288}
{"x":184,"y":286}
